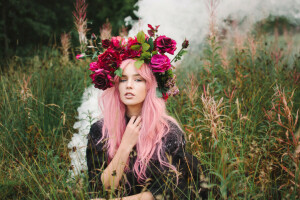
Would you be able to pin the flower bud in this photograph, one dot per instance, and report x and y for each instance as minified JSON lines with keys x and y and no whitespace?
{"x":79,"y":56}
{"x":185,"y":44}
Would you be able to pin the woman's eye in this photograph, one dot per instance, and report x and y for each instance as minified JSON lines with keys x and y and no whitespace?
{"x":122,"y":80}
{"x":138,"y":80}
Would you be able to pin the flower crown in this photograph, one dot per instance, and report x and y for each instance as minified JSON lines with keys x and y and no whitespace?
{"x":150,"y":49}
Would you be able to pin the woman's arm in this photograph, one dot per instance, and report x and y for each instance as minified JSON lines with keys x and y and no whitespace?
{"x":114,"y":171}
{"x":140,"y":196}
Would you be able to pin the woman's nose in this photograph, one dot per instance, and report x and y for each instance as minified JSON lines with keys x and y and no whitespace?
{"x":129,"y":83}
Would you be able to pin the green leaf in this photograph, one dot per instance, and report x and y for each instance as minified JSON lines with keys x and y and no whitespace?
{"x":150,"y":42}
{"x":138,"y":63}
{"x":158,"y":93}
{"x":141,"y":37}
{"x":119,"y":72}
{"x":135,"y":47}
{"x":146,"y":55}
{"x":154,"y":53}
{"x":145,"y":46}
{"x":95,"y":55}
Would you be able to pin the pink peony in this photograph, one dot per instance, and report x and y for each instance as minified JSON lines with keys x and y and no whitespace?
{"x":165,"y":44}
{"x":160,"y":63}
{"x":102,"y":79}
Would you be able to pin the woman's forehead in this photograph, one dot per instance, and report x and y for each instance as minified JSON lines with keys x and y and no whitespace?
{"x":130,"y":70}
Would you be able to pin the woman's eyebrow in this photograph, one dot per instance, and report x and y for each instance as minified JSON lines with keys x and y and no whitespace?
{"x":133,"y":75}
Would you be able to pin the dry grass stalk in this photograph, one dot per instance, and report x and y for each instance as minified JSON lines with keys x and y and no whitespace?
{"x":224,"y":58}
{"x":66,"y":44}
{"x":123,"y":32}
{"x":80,"y":21}
{"x":212,"y":114}
{"x":191,"y":90}
{"x":105,"y":31}
{"x":253,"y":47}
{"x":25,"y":91}
{"x":282,"y":107}
{"x":211,"y":6}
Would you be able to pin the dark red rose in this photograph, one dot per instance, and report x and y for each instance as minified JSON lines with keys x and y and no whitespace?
{"x":102,"y":79}
{"x":129,"y":53}
{"x":105,"y":43}
{"x":160,"y":63}
{"x":185,"y":44}
{"x":109,"y":60}
{"x":165,"y":44}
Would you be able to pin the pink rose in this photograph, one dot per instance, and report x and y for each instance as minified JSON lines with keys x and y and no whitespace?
{"x":160,"y":63}
{"x":94,"y":66}
{"x":102,"y":79}
{"x":165,"y":44}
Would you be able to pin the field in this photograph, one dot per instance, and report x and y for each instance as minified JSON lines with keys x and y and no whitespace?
{"x":238,"y":106}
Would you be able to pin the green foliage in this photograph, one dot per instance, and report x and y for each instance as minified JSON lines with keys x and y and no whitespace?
{"x":26,"y":25}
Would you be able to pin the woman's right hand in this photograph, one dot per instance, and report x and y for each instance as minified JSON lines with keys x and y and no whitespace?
{"x":132,"y":131}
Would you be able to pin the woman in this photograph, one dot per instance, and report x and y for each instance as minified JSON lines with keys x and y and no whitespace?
{"x":137,"y":151}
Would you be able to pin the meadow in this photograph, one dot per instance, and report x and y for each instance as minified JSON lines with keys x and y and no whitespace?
{"x":238,"y":106}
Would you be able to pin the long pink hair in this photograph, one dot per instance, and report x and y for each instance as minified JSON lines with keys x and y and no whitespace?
{"x":154,"y":124}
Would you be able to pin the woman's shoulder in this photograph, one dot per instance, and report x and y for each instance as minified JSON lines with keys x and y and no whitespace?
{"x":174,"y":129}
{"x":174,"y":138}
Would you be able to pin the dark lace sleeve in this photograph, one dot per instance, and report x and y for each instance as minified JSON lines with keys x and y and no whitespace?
{"x":191,"y":177}
{"x":96,"y":159}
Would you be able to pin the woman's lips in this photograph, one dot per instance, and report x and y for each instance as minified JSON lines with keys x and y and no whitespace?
{"x":129,"y":95}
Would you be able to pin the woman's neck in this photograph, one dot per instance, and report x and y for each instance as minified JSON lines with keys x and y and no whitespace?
{"x":133,"y":110}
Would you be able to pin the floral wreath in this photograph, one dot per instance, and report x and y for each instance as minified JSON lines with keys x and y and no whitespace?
{"x":150,"y":49}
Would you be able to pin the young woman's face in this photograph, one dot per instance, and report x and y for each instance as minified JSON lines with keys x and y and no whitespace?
{"x":132,"y":87}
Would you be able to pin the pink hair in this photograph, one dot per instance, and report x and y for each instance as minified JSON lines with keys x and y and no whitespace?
{"x":154,"y":124}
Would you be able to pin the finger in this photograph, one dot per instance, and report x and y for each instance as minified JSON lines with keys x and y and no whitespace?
{"x":132,"y":119}
{"x":138,"y":120}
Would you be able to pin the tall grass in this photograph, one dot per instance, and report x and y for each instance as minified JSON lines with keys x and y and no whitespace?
{"x":238,"y":106}
{"x":240,"y":113}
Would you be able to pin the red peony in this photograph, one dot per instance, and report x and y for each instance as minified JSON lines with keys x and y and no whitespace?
{"x":132,"y":41}
{"x":165,"y":44}
{"x":102,"y":79}
{"x":160,"y":63}
{"x":117,"y":42}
